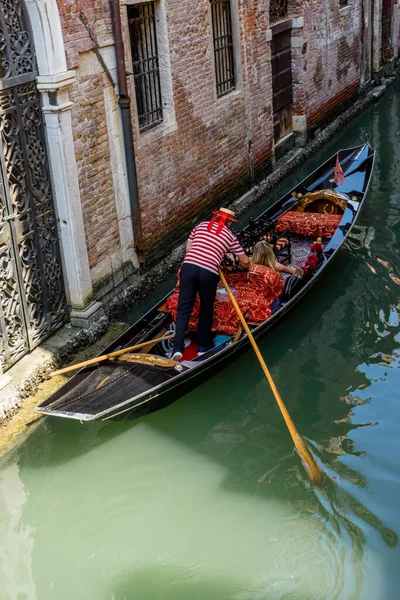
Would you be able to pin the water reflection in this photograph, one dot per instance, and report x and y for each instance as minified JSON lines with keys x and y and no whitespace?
{"x":17,"y":538}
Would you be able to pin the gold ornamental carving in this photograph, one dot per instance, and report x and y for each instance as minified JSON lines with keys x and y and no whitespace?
{"x":333,"y":199}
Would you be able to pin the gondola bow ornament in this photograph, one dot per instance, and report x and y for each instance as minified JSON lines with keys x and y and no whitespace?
{"x":339,"y":177}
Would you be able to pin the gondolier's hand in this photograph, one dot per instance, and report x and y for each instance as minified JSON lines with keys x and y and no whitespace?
{"x":229,"y":263}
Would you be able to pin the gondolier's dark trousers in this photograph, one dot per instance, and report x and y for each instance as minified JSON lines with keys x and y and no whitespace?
{"x":195,"y":279}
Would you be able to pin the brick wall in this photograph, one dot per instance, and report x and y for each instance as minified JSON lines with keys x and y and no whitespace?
{"x":219,"y":146}
{"x":76,"y":38}
{"x":330,"y":69}
{"x":93,"y":160}
{"x":213,"y":149}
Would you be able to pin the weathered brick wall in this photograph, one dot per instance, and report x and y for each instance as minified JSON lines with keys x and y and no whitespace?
{"x":93,"y":160}
{"x":76,"y":38}
{"x":218,"y":147}
{"x":329,"y":71}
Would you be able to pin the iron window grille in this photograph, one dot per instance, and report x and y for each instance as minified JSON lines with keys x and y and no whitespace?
{"x":146,"y":70}
{"x":223,"y":46}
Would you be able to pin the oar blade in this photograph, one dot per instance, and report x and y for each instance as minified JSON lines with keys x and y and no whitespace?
{"x":315,"y":474}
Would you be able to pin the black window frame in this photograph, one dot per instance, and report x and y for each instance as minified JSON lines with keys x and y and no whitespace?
{"x":145,"y":64}
{"x":224,"y":51}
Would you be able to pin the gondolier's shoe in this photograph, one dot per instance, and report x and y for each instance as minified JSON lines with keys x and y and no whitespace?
{"x":177,"y":356}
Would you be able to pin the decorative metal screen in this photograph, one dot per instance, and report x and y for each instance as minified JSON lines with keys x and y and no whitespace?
{"x":223,"y":46}
{"x":142,"y":30}
{"x":32,"y":300}
{"x":343,"y":3}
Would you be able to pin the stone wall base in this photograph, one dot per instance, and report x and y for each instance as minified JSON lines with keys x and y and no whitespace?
{"x":84,"y":318}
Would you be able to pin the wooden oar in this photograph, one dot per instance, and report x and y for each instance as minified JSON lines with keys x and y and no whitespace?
{"x":314,"y":472}
{"x":93,"y":361}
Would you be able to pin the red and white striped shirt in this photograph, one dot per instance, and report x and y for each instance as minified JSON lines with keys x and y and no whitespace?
{"x":208,"y":248}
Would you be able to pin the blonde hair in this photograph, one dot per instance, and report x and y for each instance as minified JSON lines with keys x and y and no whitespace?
{"x":263,"y":255}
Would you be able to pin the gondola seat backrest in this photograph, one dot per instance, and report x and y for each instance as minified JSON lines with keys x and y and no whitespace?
{"x":309,"y":224}
{"x":328,"y":202}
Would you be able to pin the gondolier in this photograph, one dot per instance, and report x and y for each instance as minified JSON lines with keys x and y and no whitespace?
{"x":207,"y":244}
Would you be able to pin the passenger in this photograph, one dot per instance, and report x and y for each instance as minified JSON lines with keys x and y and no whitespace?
{"x":205,"y":248}
{"x":255,"y":291}
{"x":264,"y":255}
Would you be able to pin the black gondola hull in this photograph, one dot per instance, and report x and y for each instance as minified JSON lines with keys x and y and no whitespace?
{"x":358,"y":164}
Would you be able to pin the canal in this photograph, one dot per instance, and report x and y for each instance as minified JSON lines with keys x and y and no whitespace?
{"x":207,"y":499}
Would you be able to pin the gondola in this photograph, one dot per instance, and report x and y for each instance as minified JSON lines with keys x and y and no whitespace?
{"x":323,"y":207}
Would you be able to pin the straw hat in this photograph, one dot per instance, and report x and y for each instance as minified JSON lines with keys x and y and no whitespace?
{"x":229,"y":214}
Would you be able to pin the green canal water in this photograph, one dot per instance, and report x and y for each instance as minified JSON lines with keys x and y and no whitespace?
{"x":207,"y":499}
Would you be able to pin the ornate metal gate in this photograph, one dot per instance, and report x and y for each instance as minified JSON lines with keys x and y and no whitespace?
{"x":32,"y":299}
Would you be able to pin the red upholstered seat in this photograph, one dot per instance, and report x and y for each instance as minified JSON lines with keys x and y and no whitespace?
{"x":254,"y":291}
{"x":311,"y":224}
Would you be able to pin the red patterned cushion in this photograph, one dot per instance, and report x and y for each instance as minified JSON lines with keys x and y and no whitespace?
{"x":254,"y":291}
{"x":311,"y":224}
{"x":268,"y":281}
